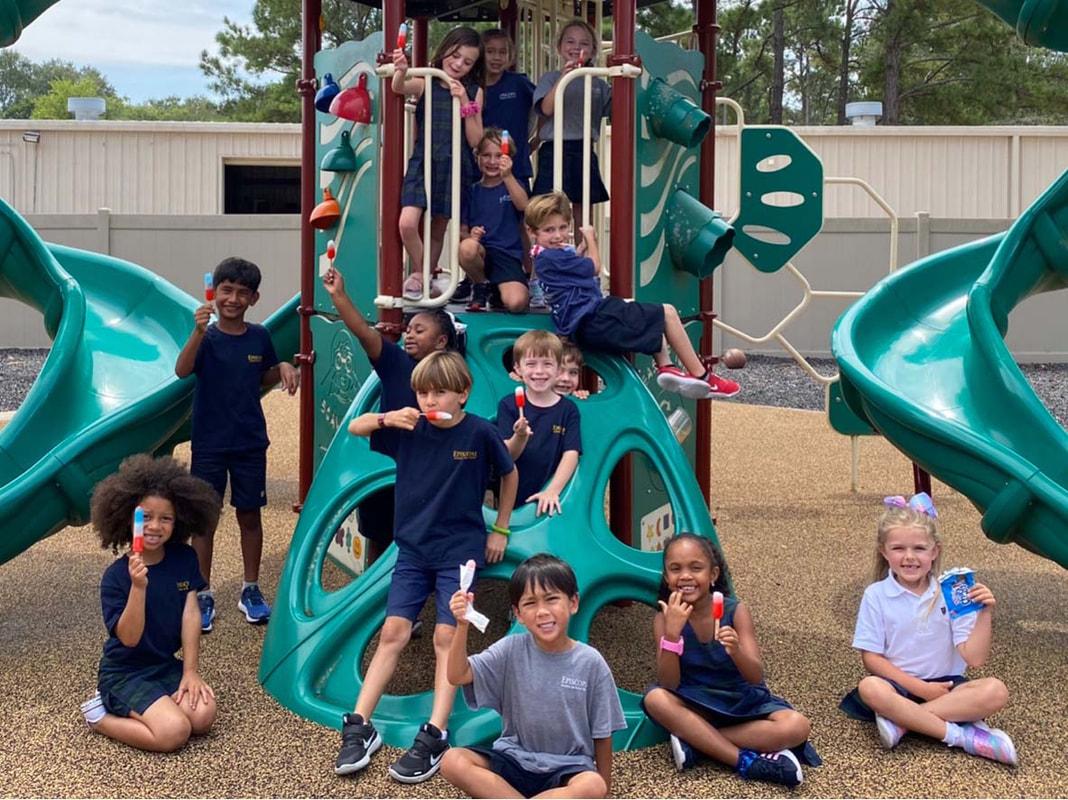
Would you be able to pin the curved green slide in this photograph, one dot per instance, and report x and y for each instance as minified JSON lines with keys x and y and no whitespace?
{"x":316,"y":639}
{"x":107,"y":388}
{"x":923,"y":359}
{"x":16,"y":15}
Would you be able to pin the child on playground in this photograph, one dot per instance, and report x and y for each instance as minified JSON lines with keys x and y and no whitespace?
{"x":570,"y":376}
{"x":711,"y":696}
{"x":509,"y":98}
{"x":491,"y":253}
{"x":544,"y":440}
{"x":444,"y":466}
{"x":571,"y":279}
{"x":915,"y":652}
{"x":460,"y":57}
{"x":427,"y":332}
{"x":146,"y":697}
{"x":556,"y":696}
{"x":234,"y":361}
{"x":578,"y":47}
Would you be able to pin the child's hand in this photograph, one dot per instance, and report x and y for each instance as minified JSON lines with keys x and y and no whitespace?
{"x":521,"y":428}
{"x":202,"y":315}
{"x":400,"y":60}
{"x":548,"y":503}
{"x":588,"y":234}
{"x":728,"y":637}
{"x":333,"y":283}
{"x":980,"y":593}
{"x":932,"y":690}
{"x":403,"y":418}
{"x":506,"y":166}
{"x":290,"y":376}
{"x":458,"y":604}
{"x":676,"y":613}
{"x":138,"y":571}
{"x":581,"y":394}
{"x":193,"y":686}
{"x":495,"y":545}
{"x":477,"y":233}
{"x":457,"y":90}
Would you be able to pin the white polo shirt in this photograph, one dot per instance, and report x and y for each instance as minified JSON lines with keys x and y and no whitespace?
{"x":916,"y":638}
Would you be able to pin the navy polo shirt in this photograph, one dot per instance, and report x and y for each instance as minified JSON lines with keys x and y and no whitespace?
{"x":394,"y":367}
{"x":493,"y":209}
{"x":442,"y":476}
{"x":169,"y":582}
{"x":553,"y":431}
{"x":507,"y":106}
{"x":572,"y":288}
{"x":227,"y":414}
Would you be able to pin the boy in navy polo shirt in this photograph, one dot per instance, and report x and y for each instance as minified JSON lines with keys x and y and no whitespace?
{"x":571,"y":277}
{"x":509,"y":98}
{"x":234,"y":361}
{"x":444,"y":467}
{"x":545,"y":442}
{"x":492,"y":251}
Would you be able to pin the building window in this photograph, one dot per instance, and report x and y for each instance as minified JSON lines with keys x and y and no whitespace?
{"x":261,"y":189}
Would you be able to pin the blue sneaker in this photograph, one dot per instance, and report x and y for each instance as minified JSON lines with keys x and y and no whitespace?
{"x":207,"y":612}
{"x":253,"y":605}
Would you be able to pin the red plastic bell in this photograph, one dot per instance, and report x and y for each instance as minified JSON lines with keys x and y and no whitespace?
{"x":353,"y":103}
{"x":327,"y":213}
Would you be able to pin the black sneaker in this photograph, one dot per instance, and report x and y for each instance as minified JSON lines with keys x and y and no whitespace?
{"x":463,"y":291}
{"x":781,"y":767}
{"x":479,"y":297}
{"x":423,"y":758}
{"x":359,"y":741}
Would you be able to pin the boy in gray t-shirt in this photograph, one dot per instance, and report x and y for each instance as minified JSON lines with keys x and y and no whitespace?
{"x":556,"y":697}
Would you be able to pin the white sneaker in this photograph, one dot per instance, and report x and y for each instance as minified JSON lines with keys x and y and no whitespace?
{"x":890,"y":732}
{"x":93,"y":709}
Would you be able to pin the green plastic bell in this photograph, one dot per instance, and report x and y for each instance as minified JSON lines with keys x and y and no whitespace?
{"x":340,"y":158}
{"x":698,"y":238}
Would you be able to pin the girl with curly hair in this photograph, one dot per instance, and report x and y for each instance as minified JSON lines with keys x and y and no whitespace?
{"x":148,"y":698}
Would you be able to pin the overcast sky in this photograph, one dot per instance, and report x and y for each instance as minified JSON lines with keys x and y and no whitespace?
{"x":146,"y":48}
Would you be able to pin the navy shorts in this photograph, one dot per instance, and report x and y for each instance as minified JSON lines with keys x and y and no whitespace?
{"x":248,"y":475}
{"x":853,"y":706}
{"x":411,"y":585}
{"x":524,"y":781}
{"x":616,"y":326}
{"x":504,"y":267}
{"x":374,"y":515}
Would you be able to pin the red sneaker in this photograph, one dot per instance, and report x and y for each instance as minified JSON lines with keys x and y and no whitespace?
{"x":672,"y":379}
{"x":720,"y":387}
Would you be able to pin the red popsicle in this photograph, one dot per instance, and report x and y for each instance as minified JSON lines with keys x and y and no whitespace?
{"x":331,"y":252}
{"x":506,"y":144}
{"x":717,"y":612}
{"x":437,"y":416}
{"x":402,"y":36}
{"x":139,"y":530}
{"x":520,"y":399}
{"x":209,"y":287}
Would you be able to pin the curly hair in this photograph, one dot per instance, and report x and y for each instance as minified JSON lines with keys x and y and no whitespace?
{"x":712,"y":553}
{"x":196,"y":503}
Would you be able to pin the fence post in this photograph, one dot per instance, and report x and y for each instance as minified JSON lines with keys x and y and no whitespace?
{"x":103,"y":231}
{"x":923,"y":234}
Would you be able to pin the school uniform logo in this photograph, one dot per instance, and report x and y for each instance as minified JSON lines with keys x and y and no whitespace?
{"x":576,"y":684}
{"x":559,"y":430}
{"x":183,"y":586}
{"x":507,"y":95}
{"x":254,"y":359}
{"x":464,"y":455}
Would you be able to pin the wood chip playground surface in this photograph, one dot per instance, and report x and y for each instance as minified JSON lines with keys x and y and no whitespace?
{"x":798,"y":542}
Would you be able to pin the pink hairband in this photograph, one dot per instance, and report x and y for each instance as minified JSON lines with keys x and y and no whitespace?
{"x":921,"y":503}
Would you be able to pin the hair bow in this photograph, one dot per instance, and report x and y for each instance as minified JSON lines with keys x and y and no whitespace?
{"x":921,"y":503}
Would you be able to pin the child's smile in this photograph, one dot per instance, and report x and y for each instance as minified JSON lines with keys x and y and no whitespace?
{"x":688,"y":571}
{"x":910,"y":552}
{"x":546,"y":613}
{"x":159,"y":525}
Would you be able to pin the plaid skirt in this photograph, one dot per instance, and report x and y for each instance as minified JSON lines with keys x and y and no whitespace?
{"x":124,"y":688}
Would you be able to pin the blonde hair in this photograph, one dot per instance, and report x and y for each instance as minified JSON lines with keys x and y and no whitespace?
{"x":442,"y":370}
{"x":489,"y":135}
{"x":907,"y":517}
{"x":580,"y":23}
{"x":540,"y":208}
{"x":538,"y":344}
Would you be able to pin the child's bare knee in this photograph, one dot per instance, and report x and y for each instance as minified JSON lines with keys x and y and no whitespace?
{"x":443,"y":636}
{"x":454,"y":763}
{"x":588,"y":784}
{"x":671,"y":313}
{"x":658,"y":701}
{"x":203,"y":717}
{"x":470,"y":251}
{"x":997,"y":693}
{"x":172,"y":733}
{"x":798,"y":726}
{"x":872,"y":688}
{"x":395,"y":633}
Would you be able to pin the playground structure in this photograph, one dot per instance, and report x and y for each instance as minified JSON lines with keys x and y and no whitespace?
{"x":667,"y":240}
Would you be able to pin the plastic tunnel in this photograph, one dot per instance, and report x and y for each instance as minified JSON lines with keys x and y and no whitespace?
{"x":316,"y":639}
{"x":107,"y":388}
{"x":923,"y":358}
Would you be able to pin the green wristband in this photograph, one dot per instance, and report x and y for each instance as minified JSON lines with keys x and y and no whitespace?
{"x":495,"y":528}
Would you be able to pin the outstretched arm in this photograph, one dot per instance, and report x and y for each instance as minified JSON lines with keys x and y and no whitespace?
{"x":187,"y":359}
{"x":370,"y":339}
{"x":458,"y":669}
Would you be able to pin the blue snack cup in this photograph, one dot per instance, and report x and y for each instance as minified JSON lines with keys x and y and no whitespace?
{"x":956,"y":583}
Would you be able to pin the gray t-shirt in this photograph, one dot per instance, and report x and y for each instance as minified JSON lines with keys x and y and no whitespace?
{"x":600,"y":106}
{"x":552,"y":705}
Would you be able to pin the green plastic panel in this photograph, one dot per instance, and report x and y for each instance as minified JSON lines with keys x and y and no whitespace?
{"x":923,"y":354}
{"x":341,"y":368}
{"x":845,"y":412}
{"x":16,"y":15}
{"x":107,"y":388}
{"x":316,"y":639}
{"x":1036,"y":22}
{"x":771,"y":230}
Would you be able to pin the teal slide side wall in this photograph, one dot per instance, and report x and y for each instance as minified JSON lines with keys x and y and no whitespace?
{"x":1036,"y":22}
{"x":316,"y":639}
{"x":923,"y":358}
{"x":15,"y":15}
{"x":107,"y":388}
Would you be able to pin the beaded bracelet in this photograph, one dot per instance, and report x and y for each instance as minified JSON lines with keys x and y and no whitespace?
{"x":495,"y":528}
{"x":469,"y":109}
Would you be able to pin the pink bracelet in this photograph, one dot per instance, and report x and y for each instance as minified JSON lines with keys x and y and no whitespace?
{"x":469,"y":109}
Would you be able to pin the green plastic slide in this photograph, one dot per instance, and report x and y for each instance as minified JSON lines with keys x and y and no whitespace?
{"x":923,"y":359}
{"x":107,"y":388}
{"x":316,"y":639}
{"x":16,"y":15}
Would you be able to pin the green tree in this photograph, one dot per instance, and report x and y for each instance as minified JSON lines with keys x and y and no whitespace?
{"x":53,"y":104}
{"x":22,"y":82}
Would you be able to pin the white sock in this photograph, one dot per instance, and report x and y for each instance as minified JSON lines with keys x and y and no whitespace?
{"x":246,"y":584}
{"x":206,"y":592}
{"x":93,"y":709}
{"x":954,"y":735}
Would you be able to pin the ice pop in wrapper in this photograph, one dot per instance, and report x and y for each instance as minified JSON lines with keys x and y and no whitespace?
{"x":506,"y":144}
{"x":402,"y":36}
{"x":209,"y":287}
{"x":467,"y":577}
{"x":139,"y":530}
{"x":331,"y":252}
{"x":520,"y":399}
{"x":717,"y":612}
{"x":438,"y":416}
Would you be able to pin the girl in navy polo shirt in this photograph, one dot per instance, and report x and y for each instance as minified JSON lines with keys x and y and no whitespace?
{"x":509,"y":100}
{"x":147,"y":698}
{"x":915,"y":652}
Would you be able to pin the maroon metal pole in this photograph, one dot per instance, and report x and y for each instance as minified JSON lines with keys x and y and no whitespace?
{"x":390,"y":252}
{"x":310,"y":12}
{"x":921,"y":479}
{"x":508,"y":15}
{"x":420,"y":42}
{"x":707,"y":30}
{"x":621,"y":282}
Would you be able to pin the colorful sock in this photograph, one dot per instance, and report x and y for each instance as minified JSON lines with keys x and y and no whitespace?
{"x":954,"y":735}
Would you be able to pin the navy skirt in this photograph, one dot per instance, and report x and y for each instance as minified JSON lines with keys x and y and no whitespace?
{"x":853,"y":706}
{"x":543,"y":184}
{"x":124,"y":688}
